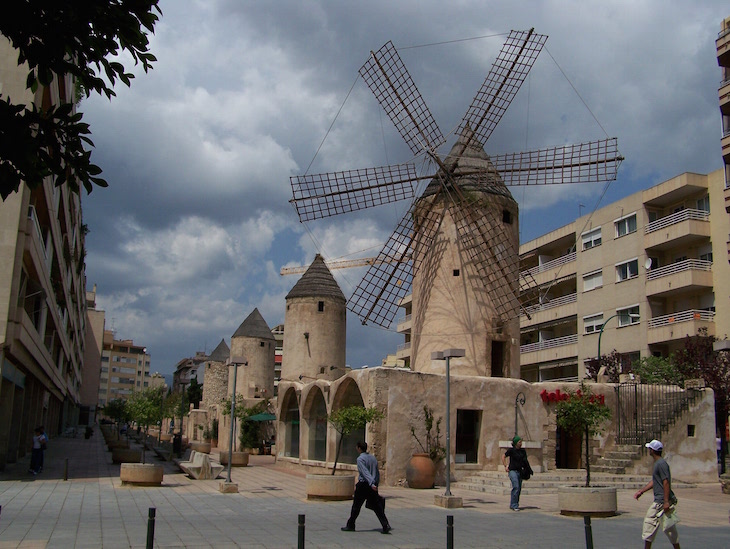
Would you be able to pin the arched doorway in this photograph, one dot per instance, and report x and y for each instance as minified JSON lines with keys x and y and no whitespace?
{"x":348,"y":394}
{"x":290,"y":423}
{"x":315,"y":417}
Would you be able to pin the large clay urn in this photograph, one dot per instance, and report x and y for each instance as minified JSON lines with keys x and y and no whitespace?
{"x":421,"y":471}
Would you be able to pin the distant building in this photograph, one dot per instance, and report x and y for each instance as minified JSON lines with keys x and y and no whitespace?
{"x":91,"y":370}
{"x":125,"y":368}
{"x":157,"y":380}
{"x":42,"y":290}
{"x":187,"y":369}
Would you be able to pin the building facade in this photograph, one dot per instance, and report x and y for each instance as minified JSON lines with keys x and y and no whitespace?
{"x":91,"y":371}
{"x":42,"y":291}
{"x":636,"y":276}
{"x":125,"y":368}
{"x":723,"y":60}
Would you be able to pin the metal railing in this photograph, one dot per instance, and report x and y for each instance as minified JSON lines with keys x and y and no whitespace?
{"x":645,"y":412}
{"x":404,"y":346}
{"x":680,"y":266}
{"x":403,"y":319}
{"x":557,"y":302}
{"x":552,"y":264}
{"x":549,"y":343}
{"x":678,"y":217}
{"x":681,"y":316}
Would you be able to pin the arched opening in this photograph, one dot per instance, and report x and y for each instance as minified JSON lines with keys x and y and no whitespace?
{"x":348,"y":394}
{"x":315,"y":417}
{"x":290,"y":423}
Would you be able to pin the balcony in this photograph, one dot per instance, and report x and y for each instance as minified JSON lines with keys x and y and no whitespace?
{"x":679,"y":229}
{"x":558,"y":348}
{"x":684,"y":276}
{"x":404,"y":325}
{"x":547,"y":311}
{"x":675,"y":326}
{"x":546,"y":272}
{"x":403,"y":350}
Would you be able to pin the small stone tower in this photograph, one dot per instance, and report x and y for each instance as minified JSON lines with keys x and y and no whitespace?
{"x":215,"y":381}
{"x":315,"y":327}
{"x":254,"y":341}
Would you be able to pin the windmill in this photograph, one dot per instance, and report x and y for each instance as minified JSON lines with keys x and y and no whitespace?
{"x":457,"y":247}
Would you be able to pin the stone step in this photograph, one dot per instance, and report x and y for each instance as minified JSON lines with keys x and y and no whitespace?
{"x":609,"y":462}
{"x":608,"y":469}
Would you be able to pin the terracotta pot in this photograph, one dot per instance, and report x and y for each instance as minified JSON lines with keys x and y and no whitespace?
{"x":595,"y":501}
{"x":240,"y":459}
{"x":331,"y":488}
{"x":421,"y":471}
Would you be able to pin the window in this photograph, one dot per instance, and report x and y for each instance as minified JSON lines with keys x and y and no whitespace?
{"x":625,"y":225}
{"x":704,"y":204}
{"x":456,"y":272}
{"x":706,"y":257}
{"x":507,"y":217}
{"x":591,"y":239}
{"x":625,"y":271}
{"x":591,"y":281}
{"x":628,"y":316}
{"x":320,"y":306}
{"x":592,"y":324}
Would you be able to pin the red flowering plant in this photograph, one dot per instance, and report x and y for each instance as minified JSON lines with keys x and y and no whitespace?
{"x":581,"y":413}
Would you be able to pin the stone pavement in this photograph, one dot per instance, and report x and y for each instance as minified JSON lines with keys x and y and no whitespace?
{"x":93,"y":510}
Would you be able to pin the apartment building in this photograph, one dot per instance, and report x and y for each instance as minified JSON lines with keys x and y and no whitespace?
{"x":125,"y":368}
{"x":723,"y":60}
{"x":42,"y":291}
{"x":638,"y":276}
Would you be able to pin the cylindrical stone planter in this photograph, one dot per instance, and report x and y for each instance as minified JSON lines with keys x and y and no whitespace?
{"x":421,"y":471}
{"x":240,"y":459}
{"x":126,"y":455}
{"x":141,"y":474}
{"x":596,"y":501}
{"x":331,"y":488}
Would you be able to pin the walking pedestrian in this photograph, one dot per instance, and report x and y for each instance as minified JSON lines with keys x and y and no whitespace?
{"x":36,"y":453}
{"x":44,"y":445}
{"x":517,"y":461}
{"x":366,"y":489}
{"x":664,"y":499}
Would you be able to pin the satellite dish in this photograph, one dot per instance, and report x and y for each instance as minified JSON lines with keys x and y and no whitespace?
{"x":647,"y":263}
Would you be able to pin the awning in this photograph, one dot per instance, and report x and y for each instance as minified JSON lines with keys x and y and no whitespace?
{"x":262,"y":417}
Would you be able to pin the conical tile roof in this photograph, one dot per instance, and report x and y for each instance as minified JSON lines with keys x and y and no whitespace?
{"x":254,"y":326}
{"x":220,"y":353}
{"x":317,"y":282}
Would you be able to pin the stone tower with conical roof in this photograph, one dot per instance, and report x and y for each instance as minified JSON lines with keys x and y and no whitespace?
{"x":315,"y":327}
{"x":215,"y":382}
{"x":449,"y":309}
{"x":254,"y":341}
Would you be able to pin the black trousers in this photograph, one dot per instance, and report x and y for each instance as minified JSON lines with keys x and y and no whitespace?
{"x":363,"y":493}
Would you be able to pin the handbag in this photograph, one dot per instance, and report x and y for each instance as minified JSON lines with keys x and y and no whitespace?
{"x":371,"y":507}
{"x":526,"y":471}
{"x":669,"y":519}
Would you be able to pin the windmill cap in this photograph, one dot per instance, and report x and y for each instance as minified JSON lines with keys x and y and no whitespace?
{"x":655,"y":445}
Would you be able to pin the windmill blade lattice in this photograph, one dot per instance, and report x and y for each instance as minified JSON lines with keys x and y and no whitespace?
{"x":389,"y":80}
{"x":510,"y":69}
{"x":327,"y":194}
{"x":593,"y":161}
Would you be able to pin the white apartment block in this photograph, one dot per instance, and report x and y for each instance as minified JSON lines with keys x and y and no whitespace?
{"x":125,"y":368}
{"x":643,"y":266}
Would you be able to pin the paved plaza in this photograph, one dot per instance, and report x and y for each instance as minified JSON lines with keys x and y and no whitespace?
{"x":91,"y":510}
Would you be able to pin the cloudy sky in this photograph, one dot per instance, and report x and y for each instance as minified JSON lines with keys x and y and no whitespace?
{"x":190,"y":235}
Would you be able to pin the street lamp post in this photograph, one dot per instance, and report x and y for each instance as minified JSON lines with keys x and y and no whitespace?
{"x":235,"y":362}
{"x":439,"y":355}
{"x":600,"y":333}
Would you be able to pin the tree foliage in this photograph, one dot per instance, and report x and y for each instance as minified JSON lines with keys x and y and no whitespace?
{"x":195,"y":392}
{"x":433,"y":446}
{"x":81,"y":38}
{"x":349,"y":419}
{"x":117,"y":410}
{"x":657,"y":370}
{"x":584,"y":414}
{"x":146,"y":408}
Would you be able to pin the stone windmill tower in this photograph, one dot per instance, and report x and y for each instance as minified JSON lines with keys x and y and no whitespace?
{"x":456,"y":248}
{"x":215,"y":381}
{"x":315,"y":327}
{"x":254,"y":341}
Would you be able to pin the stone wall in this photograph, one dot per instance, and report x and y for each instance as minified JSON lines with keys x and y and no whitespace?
{"x":215,"y":384}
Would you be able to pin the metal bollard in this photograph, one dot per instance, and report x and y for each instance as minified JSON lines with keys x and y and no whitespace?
{"x":449,"y":531}
{"x":589,"y":531}
{"x":65,"y":470}
{"x":300,"y":537}
{"x":151,"y":527}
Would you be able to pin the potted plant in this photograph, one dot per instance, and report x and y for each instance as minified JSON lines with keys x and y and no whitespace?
{"x":421,"y":469}
{"x":583,"y":413}
{"x":202,"y":445}
{"x":345,"y":421}
{"x":145,"y":408}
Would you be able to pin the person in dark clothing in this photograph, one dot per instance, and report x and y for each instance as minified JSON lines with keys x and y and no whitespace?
{"x":517,"y":460}
{"x":367,"y":490}
{"x":36,"y":453}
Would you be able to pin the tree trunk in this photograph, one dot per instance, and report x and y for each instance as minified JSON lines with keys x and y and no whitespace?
{"x":588,"y":459}
{"x":337,"y":454}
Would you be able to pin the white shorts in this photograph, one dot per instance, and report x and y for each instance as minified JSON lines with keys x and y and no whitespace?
{"x":652,"y":523}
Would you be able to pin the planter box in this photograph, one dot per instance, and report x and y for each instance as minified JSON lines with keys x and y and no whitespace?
{"x":331,"y":488}
{"x":240,"y":459}
{"x":203,"y":447}
{"x":112,"y":444}
{"x":126,"y":455}
{"x":595,"y":501}
{"x":165,"y":437}
{"x":141,"y":474}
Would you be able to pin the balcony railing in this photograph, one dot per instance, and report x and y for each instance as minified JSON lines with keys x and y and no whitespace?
{"x":549,"y":344}
{"x":678,"y":217}
{"x":680,"y":266}
{"x":403,"y":319}
{"x":557,"y":302}
{"x":558,"y":262}
{"x":404,"y":346}
{"x":682,"y":316}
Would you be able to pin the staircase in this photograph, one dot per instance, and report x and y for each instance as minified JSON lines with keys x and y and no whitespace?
{"x":497,"y":482}
{"x":617,"y":460}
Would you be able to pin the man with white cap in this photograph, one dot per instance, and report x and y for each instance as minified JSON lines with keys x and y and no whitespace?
{"x":664,"y":499}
